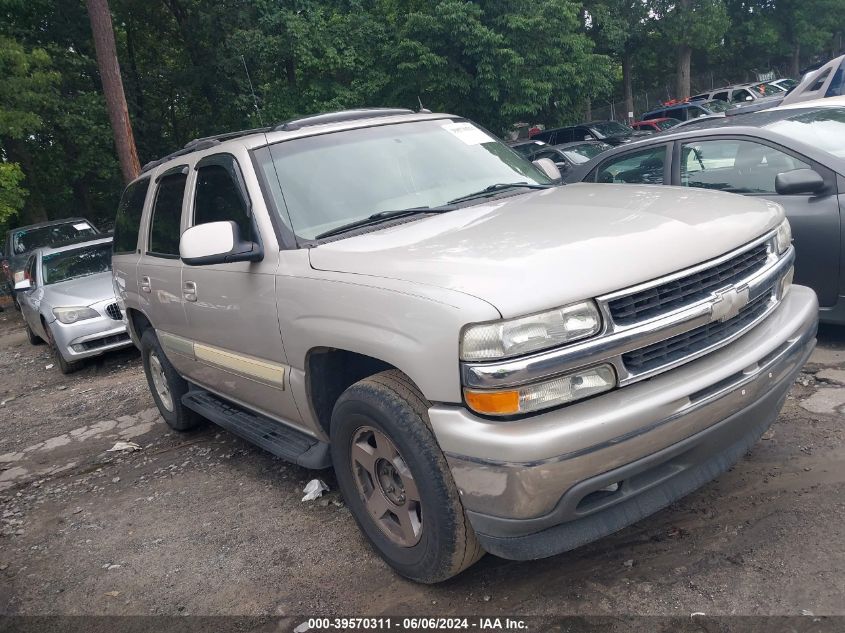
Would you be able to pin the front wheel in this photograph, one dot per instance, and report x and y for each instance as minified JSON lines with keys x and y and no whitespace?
{"x":31,"y":336}
{"x":166,"y":385}
{"x":66,"y":366}
{"x":395,"y":480}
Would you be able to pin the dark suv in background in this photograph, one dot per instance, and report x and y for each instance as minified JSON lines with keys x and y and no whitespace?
{"x":611,"y":132}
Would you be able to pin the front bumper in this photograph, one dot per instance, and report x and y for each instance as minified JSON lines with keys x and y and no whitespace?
{"x":542,"y":485}
{"x":90,"y":337}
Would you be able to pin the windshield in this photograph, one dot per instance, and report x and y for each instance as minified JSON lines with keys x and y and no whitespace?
{"x":610,"y":128}
{"x":824,"y":129}
{"x":578,"y":154}
{"x":717,"y":106}
{"x":26,"y":240}
{"x":79,"y":262}
{"x":321,"y":182}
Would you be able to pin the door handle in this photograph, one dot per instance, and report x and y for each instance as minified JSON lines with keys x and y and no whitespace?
{"x":145,"y":284}
{"x":189,"y":291}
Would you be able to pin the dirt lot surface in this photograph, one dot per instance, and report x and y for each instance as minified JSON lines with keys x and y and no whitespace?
{"x":204,"y":523}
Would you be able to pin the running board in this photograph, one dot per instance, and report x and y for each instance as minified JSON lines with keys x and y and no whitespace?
{"x":280,"y":440}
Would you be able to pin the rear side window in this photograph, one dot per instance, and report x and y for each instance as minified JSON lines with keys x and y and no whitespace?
{"x":167,"y":216}
{"x":127,"y":223}
{"x":219,"y":198}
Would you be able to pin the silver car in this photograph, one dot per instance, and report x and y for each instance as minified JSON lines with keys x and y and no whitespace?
{"x":67,"y":300}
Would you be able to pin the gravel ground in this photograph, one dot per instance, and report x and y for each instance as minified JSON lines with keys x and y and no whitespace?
{"x":204,"y":523}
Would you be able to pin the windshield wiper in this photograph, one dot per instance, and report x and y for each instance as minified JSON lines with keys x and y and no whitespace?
{"x":499,"y":186}
{"x":381,"y":216}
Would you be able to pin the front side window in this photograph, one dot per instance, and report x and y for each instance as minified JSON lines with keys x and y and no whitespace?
{"x":643,"y":167}
{"x":167,"y":216}
{"x":76,"y":263}
{"x":219,"y":199}
{"x":734,"y":165}
{"x":322,"y":182}
{"x":127,"y":223}
{"x":26,"y":240}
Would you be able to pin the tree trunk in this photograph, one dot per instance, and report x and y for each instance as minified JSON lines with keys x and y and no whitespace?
{"x":682,"y":81}
{"x":795,"y":61}
{"x":588,"y":110}
{"x":628,"y":89}
{"x":101,"y":26}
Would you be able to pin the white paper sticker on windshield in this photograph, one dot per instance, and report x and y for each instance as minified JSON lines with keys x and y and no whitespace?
{"x":468,"y":133}
{"x":82,"y":226}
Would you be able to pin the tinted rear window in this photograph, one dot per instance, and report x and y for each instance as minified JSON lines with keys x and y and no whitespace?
{"x":127,"y":224}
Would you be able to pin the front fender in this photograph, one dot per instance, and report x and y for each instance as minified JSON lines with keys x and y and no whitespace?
{"x":412,"y":327}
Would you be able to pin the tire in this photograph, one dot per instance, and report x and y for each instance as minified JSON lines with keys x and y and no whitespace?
{"x":65,"y":366}
{"x":31,"y":336}
{"x":387,"y":412}
{"x":177,"y":415}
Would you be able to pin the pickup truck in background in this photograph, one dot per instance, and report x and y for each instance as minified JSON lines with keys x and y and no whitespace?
{"x":488,"y":360}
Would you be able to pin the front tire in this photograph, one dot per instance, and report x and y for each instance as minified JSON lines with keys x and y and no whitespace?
{"x":166,"y":385}
{"x":65,"y":366}
{"x":31,"y":336}
{"x":395,"y":480}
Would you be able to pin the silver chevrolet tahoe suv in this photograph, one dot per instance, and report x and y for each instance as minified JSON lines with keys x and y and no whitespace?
{"x":489,"y":361}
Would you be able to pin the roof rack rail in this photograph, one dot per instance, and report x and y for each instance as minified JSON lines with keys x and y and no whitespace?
{"x":199,"y":144}
{"x":338,"y":117}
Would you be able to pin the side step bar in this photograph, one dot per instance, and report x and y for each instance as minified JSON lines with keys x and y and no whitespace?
{"x":280,"y":440}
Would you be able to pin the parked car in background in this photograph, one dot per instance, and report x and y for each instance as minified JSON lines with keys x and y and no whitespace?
{"x":688,"y":110}
{"x":564,"y":156}
{"x":741,"y":94}
{"x":795,"y":157}
{"x":785,"y":84}
{"x":826,"y":81}
{"x":611,"y":132}
{"x":21,"y":241}
{"x":67,"y":299}
{"x":408,"y":325}
{"x":655,"y":125}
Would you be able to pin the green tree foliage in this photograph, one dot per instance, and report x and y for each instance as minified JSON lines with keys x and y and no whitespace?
{"x":12,"y":193}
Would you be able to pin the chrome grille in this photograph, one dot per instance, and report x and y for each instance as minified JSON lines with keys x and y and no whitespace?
{"x":689,"y":343}
{"x":113,"y":310}
{"x":686,"y":290}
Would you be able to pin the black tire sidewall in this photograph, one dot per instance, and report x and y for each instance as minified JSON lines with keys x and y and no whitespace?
{"x":66,"y":367}
{"x":360,"y":407}
{"x":180,"y":419}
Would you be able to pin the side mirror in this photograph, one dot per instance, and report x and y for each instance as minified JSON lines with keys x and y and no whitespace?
{"x":217,"y":243}
{"x":548,"y":167}
{"x":23,"y":284}
{"x":798,"y":181}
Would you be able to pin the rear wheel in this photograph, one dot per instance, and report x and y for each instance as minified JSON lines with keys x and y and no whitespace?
{"x":66,"y":366}
{"x":396,"y":482}
{"x":166,"y":385}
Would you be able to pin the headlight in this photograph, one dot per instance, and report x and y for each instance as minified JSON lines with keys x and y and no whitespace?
{"x":783,"y":237}
{"x":72,"y":315}
{"x":512,"y":337}
{"x":543,"y":395}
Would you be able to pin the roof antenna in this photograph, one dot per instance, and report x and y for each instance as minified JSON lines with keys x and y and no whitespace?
{"x":252,"y":90}
{"x":269,"y":152}
{"x":422,"y":109}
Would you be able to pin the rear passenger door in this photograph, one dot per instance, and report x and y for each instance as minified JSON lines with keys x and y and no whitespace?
{"x":749,"y":167}
{"x":159,"y":267}
{"x":231,"y":308}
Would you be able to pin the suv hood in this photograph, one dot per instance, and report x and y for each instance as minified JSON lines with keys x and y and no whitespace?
{"x":547,"y":248}
{"x":84,"y":291}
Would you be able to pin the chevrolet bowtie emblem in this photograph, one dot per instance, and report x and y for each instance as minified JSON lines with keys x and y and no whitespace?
{"x":728,"y":304}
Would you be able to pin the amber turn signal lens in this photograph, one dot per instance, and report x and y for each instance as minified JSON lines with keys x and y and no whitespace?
{"x":493,"y":402}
